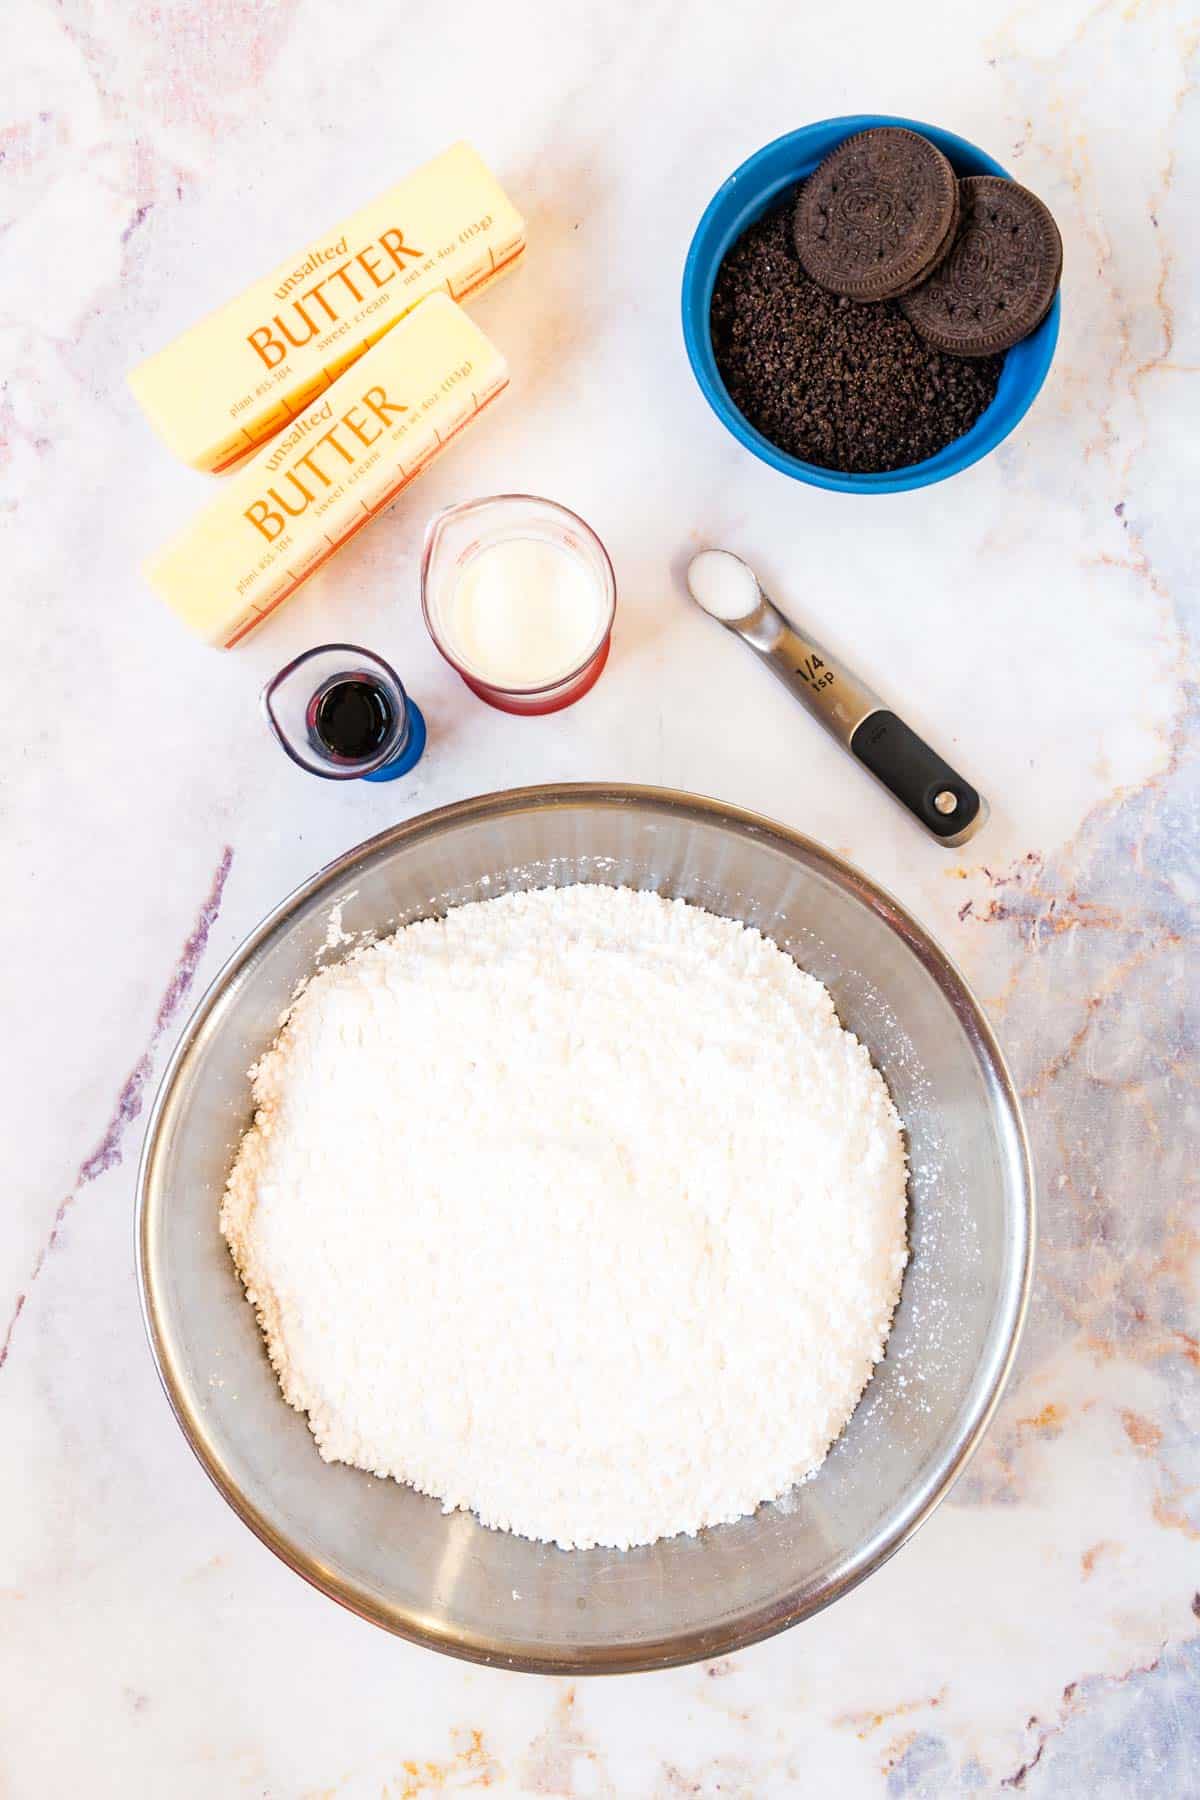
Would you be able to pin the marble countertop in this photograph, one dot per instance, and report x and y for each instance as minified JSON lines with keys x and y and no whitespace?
{"x":1035,"y":617}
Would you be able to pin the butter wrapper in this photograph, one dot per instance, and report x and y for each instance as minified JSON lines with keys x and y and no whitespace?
{"x":245,"y":372}
{"x":339,"y":463}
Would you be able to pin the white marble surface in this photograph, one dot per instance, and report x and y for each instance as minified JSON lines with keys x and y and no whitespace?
{"x":1033,"y":615}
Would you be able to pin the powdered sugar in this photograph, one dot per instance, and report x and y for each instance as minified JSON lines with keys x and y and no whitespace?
{"x":577,"y":1208}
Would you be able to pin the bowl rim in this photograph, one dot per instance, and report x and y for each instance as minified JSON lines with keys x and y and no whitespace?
{"x":699,"y":277}
{"x":701,"y":1643}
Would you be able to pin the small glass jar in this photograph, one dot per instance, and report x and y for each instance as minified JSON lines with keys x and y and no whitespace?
{"x":459,"y":534}
{"x":342,"y":713}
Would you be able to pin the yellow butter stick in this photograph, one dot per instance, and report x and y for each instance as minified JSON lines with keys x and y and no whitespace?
{"x":339,"y":464}
{"x":236,"y":379}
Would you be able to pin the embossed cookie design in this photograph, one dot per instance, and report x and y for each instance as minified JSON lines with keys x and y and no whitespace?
{"x":878,"y":214}
{"x":1000,"y":278}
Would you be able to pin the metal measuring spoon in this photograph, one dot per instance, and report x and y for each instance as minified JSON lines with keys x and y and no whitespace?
{"x":949,"y":808}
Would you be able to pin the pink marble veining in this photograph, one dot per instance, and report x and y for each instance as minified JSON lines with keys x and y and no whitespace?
{"x":1037,"y":616}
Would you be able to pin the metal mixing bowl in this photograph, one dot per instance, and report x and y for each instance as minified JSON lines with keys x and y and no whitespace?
{"x":391,"y":1554}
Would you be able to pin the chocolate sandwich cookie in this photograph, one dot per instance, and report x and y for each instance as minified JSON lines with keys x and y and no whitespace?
{"x":878,"y":214}
{"x":1002,"y":273}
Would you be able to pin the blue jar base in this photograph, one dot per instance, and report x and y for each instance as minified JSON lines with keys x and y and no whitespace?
{"x":412,"y":753}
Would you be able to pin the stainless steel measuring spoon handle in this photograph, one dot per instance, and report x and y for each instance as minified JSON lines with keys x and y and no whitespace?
{"x":912,"y":772}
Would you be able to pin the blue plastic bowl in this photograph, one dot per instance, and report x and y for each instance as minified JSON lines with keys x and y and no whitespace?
{"x":748,"y":193}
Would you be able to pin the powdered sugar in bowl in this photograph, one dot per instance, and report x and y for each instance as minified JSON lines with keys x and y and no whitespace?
{"x":385,"y":1550}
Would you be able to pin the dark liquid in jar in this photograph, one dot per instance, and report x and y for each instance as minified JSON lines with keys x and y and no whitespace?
{"x":353,"y":719}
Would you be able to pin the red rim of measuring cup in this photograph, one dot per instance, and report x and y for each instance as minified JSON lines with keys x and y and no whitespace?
{"x":547,"y":697}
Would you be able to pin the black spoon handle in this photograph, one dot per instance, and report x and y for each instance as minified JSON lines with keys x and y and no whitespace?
{"x":949,"y":808}
{"x":934,"y":793}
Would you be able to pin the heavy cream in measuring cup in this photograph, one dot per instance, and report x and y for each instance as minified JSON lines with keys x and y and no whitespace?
{"x":519,"y":596}
{"x":523,"y":613}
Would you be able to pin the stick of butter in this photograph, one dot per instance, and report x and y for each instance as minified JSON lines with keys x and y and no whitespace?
{"x":317,"y":484}
{"x":237,"y":377}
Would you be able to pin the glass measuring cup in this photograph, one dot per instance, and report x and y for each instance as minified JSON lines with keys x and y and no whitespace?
{"x":461,"y":533}
{"x":342,"y":713}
